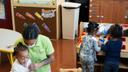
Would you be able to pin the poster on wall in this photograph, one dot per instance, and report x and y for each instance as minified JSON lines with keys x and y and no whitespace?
{"x":48,"y":13}
{"x":2,"y":9}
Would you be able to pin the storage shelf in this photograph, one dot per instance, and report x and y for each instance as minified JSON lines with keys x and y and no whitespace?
{"x":34,"y":5}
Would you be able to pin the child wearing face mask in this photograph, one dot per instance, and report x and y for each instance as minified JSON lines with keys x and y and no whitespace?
{"x":22,"y":60}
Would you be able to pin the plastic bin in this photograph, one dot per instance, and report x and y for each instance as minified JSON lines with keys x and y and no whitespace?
{"x":70,"y":17}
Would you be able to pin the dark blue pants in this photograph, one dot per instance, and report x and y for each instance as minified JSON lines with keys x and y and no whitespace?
{"x":111,"y":67}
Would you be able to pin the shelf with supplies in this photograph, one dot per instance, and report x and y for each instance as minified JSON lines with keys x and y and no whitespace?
{"x":46,"y":16}
{"x":34,"y":5}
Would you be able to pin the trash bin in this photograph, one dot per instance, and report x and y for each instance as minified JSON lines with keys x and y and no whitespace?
{"x":70,"y":17}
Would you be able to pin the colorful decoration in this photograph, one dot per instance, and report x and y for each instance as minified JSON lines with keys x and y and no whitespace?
{"x":80,"y":39}
{"x":48,"y":13}
{"x":46,"y":27}
{"x":30,"y":15}
{"x":39,"y":16}
{"x":37,"y":27}
{"x":20,"y":15}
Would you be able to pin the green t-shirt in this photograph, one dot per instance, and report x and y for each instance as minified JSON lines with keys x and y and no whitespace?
{"x":40,"y":51}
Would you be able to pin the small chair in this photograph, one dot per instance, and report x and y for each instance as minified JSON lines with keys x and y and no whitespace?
{"x":7,"y":41}
{"x":71,"y":70}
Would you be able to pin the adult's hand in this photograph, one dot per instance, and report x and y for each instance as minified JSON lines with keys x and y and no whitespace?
{"x":44,"y":62}
{"x":35,"y":66}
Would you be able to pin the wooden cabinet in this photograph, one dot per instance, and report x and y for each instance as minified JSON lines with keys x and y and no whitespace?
{"x":110,"y":11}
{"x":106,"y":10}
{"x":124,"y":12}
{"x":94,"y":11}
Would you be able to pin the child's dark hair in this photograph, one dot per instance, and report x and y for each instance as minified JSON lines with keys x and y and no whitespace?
{"x":116,"y":31}
{"x":30,"y":32}
{"x":92,"y":26}
{"x":18,"y":48}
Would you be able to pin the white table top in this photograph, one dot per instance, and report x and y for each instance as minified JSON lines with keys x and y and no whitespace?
{"x":7,"y":39}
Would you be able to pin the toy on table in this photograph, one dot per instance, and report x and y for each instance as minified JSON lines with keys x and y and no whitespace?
{"x":101,"y":39}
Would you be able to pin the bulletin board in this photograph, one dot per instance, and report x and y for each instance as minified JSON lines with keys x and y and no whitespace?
{"x":45,"y":18}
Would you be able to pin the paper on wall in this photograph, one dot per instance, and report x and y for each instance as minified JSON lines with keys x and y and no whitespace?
{"x":48,"y":13}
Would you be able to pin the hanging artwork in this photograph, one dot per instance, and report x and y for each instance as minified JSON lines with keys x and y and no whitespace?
{"x":20,"y":15}
{"x":38,"y":16}
{"x":2,"y":9}
{"x":45,"y":26}
{"x":30,"y":15}
{"x":48,"y":13}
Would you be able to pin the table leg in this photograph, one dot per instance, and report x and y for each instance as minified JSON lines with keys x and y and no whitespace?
{"x":10,"y":57}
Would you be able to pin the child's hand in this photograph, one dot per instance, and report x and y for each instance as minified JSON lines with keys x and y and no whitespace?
{"x":100,"y":43}
{"x":35,"y":66}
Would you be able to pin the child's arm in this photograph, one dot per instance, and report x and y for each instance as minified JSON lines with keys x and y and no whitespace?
{"x":105,"y":47}
{"x":97,"y":48}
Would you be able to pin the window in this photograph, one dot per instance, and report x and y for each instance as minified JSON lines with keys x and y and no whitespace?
{"x":2,"y":9}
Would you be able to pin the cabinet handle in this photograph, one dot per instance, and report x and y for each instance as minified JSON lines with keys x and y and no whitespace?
{"x":90,"y":16}
{"x":126,"y":17}
{"x":90,"y":0}
{"x":90,"y":10}
{"x":90,"y":5}
{"x":102,"y":17}
{"x":98,"y":16}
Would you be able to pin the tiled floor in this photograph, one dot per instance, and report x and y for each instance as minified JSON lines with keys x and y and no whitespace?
{"x":65,"y":56}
